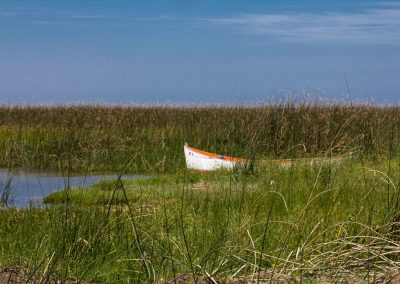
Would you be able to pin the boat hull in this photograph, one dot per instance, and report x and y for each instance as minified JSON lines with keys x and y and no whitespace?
{"x":205,"y":161}
{"x":313,"y":161}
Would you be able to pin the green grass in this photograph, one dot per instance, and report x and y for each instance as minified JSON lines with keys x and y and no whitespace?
{"x":336,"y":223}
{"x":150,"y":139}
{"x":308,"y":222}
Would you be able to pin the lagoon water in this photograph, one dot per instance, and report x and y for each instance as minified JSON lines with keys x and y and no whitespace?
{"x":28,"y":188}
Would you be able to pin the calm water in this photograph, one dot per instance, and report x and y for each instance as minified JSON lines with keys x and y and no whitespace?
{"x":30,"y":187}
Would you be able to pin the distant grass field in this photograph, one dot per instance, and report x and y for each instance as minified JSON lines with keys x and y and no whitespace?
{"x":312,"y":224}
{"x":150,"y":139}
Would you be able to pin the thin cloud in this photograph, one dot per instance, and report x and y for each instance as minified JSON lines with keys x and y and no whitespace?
{"x":8,"y":14}
{"x":89,"y":16}
{"x":158,"y":18}
{"x":372,"y":26}
{"x":390,"y":4}
{"x":74,"y":18}
{"x":42,"y":16}
{"x":51,"y":23}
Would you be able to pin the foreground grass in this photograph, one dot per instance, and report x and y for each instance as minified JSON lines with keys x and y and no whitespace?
{"x":326,"y":222}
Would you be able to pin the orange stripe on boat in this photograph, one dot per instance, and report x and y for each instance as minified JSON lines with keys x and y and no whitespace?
{"x":215,"y":156}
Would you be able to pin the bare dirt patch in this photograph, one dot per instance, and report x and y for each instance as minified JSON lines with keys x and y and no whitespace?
{"x":13,"y":274}
{"x":17,"y":274}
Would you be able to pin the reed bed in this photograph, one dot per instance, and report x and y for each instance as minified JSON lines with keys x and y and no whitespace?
{"x":150,"y":139}
{"x":319,"y":223}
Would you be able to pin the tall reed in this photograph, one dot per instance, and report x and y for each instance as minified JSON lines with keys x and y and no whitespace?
{"x":151,"y":138}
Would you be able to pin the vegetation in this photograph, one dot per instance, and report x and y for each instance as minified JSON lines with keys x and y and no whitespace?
{"x":150,"y":139}
{"x":327,"y":222}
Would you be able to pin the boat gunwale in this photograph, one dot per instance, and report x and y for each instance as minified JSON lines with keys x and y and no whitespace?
{"x":288,"y":162}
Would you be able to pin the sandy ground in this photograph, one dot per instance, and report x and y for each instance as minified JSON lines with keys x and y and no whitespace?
{"x":17,"y":274}
{"x":13,"y":274}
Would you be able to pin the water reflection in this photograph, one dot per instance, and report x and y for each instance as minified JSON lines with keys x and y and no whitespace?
{"x":20,"y":188}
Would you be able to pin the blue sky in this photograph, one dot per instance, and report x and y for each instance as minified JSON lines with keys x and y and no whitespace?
{"x":197,"y":51}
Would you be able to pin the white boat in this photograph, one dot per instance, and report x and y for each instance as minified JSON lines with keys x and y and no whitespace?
{"x":200,"y":160}
{"x":313,"y":161}
{"x":205,"y":161}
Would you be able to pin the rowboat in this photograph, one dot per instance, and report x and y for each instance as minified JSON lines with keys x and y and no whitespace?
{"x":312,"y":161}
{"x":201,"y":160}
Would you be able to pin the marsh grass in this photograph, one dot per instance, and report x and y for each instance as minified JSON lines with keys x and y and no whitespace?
{"x":150,"y":139}
{"x":318,"y":222}
{"x":326,"y":222}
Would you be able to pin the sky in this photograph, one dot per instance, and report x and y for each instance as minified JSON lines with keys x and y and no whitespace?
{"x":198,"y":51}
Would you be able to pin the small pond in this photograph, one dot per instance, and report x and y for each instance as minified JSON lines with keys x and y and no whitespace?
{"x":19,"y":188}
